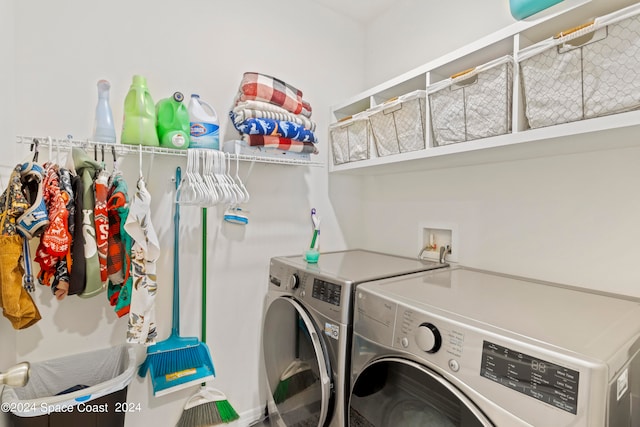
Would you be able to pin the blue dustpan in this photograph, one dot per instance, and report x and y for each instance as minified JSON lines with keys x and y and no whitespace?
{"x":177,"y":362}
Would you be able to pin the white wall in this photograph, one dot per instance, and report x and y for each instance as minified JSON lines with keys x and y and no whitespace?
{"x":7,"y":134}
{"x":570,"y":218}
{"x":413,"y":32}
{"x":64,"y":47}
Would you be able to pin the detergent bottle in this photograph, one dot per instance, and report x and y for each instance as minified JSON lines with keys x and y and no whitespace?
{"x":103,"y":128}
{"x":521,"y":9}
{"x":205,"y":129}
{"x":139,"y":125}
{"x":173,"y":122}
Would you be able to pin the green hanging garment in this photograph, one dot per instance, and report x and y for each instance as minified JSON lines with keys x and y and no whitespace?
{"x":87,"y":170}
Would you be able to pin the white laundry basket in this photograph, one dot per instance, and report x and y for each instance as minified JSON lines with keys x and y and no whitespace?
{"x":87,"y":389}
{"x":350,"y":139}
{"x":398,"y":125}
{"x":589,"y":71}
{"x":473,"y":104}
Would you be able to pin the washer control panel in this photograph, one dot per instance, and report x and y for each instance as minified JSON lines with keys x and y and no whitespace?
{"x":326,"y":291}
{"x":330,"y":298}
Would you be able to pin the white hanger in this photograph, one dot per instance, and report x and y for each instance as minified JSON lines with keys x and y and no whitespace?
{"x":214,"y":196}
{"x":245,"y":192}
{"x":219,"y":166}
{"x":186,"y":193}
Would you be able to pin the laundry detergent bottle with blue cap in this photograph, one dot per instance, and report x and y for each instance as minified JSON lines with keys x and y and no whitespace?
{"x":139,"y":125}
{"x":173,"y":122}
{"x":205,"y":128}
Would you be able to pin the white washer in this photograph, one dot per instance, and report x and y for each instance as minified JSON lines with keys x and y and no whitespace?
{"x":464,"y":347}
{"x":307,"y":331}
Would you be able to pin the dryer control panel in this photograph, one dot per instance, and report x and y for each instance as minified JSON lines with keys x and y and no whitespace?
{"x":540,"y":379}
{"x":417,"y":332}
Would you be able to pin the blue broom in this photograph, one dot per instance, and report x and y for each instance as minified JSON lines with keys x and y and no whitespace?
{"x":177,"y":362}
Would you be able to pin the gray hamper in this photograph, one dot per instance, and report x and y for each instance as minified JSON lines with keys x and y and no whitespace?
{"x":103,"y":374}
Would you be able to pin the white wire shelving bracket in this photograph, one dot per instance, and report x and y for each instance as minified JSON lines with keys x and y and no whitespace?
{"x":65,"y":144}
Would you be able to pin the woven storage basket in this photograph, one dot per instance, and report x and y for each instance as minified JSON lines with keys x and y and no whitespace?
{"x":398,"y":125}
{"x":473,"y":104}
{"x":589,"y":71}
{"x":350,"y":139}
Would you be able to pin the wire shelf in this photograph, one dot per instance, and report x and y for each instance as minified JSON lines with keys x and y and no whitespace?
{"x":66,"y":144}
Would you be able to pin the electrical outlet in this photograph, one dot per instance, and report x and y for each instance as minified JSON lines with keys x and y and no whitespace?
{"x":432,"y":237}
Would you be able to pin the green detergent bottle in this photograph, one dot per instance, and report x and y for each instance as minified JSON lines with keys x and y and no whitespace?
{"x":139,"y":125}
{"x":173,"y":122}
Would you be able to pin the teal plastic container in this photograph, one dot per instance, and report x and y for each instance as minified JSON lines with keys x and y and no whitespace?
{"x":139,"y":125}
{"x":173,"y":122}
{"x":521,"y":9}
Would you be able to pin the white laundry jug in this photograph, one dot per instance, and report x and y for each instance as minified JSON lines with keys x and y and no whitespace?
{"x":205,"y":128}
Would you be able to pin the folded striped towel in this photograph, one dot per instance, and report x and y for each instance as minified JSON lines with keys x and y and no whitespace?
{"x":263,"y":110}
{"x":280,"y":143}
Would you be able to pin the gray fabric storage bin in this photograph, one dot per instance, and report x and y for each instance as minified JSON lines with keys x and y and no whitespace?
{"x":474,"y":104}
{"x":104,"y":374}
{"x":350,"y":139}
{"x":585,"y":72}
{"x":398,"y":125}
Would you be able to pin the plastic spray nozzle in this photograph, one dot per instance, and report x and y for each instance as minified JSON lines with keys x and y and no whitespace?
{"x":316,"y":228}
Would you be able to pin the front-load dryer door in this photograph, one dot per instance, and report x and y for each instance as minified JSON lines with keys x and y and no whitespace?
{"x":394,"y":392}
{"x":297,"y":366}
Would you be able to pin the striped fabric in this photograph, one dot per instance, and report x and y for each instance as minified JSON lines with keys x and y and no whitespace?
{"x":263,"y":110}
{"x":280,"y":143}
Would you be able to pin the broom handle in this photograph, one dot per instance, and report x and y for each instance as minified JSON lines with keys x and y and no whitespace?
{"x":203,"y":309}
{"x":175,"y":326}
{"x":203,"y":338}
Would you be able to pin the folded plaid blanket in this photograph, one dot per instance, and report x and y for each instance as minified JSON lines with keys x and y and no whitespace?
{"x":260,"y":87}
{"x":306,"y":109}
{"x":275,"y":128}
{"x":263,"y":110}
{"x":280,"y":143}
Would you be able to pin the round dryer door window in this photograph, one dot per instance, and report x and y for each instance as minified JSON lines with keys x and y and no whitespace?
{"x":394,"y":392}
{"x":296,"y":365}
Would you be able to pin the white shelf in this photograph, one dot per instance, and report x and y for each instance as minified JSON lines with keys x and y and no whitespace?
{"x":561,"y":139}
{"x":65,"y":144}
{"x":522,"y":142}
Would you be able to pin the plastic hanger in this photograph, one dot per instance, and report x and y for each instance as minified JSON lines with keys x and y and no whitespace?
{"x":245,"y":192}
{"x":186,"y":192}
{"x":214,"y":196}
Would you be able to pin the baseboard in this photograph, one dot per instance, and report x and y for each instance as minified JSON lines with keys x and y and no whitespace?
{"x":247,"y":418}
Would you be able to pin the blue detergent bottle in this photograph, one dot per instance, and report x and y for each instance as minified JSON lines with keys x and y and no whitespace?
{"x":205,"y":128}
{"x":521,"y":9}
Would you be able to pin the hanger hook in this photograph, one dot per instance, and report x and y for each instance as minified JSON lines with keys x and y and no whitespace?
{"x":34,"y":148}
{"x":140,"y":159}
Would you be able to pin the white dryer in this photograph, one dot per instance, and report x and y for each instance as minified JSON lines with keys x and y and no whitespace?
{"x":307,"y":331}
{"x":459,"y":347}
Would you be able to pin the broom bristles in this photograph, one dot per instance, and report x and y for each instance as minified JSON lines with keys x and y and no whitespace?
{"x":208,"y":414}
{"x":293,"y":385}
{"x":177,"y":360}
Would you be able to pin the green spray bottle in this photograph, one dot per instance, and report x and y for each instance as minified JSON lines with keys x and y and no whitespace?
{"x":139,"y":124}
{"x":173,"y":122}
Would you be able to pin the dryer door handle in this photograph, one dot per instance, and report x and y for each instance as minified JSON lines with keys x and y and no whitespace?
{"x":321,"y":359}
